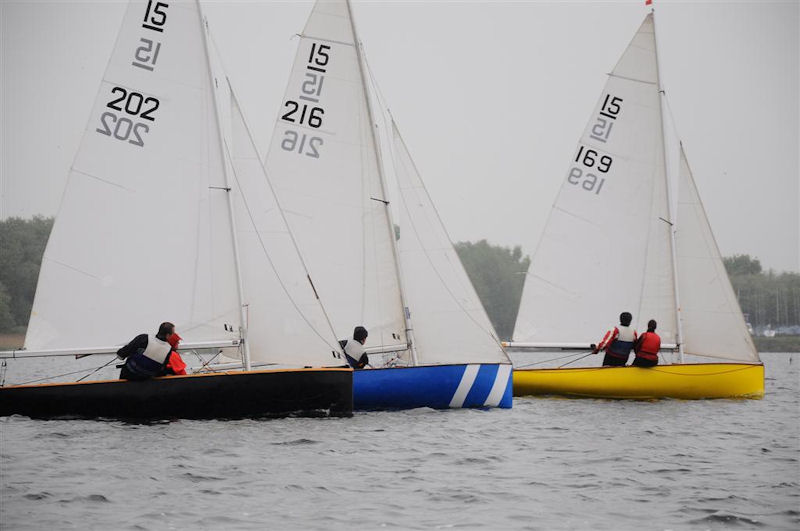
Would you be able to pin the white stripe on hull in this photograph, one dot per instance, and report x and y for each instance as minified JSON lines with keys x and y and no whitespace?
{"x":499,"y":387}
{"x":467,"y":379}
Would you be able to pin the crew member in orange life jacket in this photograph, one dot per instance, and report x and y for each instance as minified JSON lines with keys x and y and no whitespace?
{"x":175,"y":364}
{"x":147,"y":356}
{"x":617,"y":342}
{"x":647,"y":347}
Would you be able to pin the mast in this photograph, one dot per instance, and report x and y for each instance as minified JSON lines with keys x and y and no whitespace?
{"x":227,"y":190}
{"x":670,"y":206}
{"x":390,"y":223}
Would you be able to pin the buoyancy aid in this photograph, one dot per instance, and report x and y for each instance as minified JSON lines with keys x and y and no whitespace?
{"x":623,"y":343}
{"x":649,"y":345}
{"x":354,"y":352}
{"x":149,"y":361}
{"x":175,"y":364}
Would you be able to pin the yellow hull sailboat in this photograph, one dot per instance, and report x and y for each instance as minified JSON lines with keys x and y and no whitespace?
{"x":627,"y":235}
{"x":689,"y":381}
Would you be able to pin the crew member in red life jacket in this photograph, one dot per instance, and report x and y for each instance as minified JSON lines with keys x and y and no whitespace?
{"x":175,"y":364}
{"x":647,"y":347}
{"x":617,"y":342}
{"x":146,"y":356}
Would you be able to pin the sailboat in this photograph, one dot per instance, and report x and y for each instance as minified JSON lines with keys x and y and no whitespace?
{"x":165,"y":218}
{"x":618,"y":239}
{"x":430,"y":341}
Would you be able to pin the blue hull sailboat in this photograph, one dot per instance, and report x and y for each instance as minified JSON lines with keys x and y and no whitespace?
{"x":430,"y":340}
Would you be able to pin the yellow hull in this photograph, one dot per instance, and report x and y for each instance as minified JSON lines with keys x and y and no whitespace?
{"x":688,"y":381}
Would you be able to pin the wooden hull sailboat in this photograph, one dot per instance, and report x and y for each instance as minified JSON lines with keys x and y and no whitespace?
{"x":224,"y":395}
{"x":690,"y":381}
{"x":404,"y":283}
{"x":620,"y":239}
{"x":153,"y":228}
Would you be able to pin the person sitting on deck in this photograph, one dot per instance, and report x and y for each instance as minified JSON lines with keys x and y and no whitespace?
{"x":147,"y":356}
{"x":353,"y":348}
{"x":175,"y":364}
{"x":617,"y":342}
{"x":647,"y":347}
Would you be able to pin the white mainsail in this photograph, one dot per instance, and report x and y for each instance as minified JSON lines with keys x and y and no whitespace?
{"x":606,"y":245}
{"x":144,"y":233}
{"x":324,"y":164}
{"x":450,"y":324}
{"x":713,"y":324}
{"x":599,"y":258}
{"x":141,"y":236}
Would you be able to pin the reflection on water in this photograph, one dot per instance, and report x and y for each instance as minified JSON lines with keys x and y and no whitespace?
{"x":546,"y":464}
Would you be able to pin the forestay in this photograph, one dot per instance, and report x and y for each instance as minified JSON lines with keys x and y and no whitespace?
{"x":606,"y":245}
{"x":324,"y":164}
{"x":713,"y":324}
{"x":449,"y":322}
{"x":287,"y":323}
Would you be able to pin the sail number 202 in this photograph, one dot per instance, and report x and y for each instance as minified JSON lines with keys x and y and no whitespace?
{"x":134,"y":104}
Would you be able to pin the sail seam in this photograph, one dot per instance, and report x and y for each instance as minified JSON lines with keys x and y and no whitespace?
{"x":632,"y":79}
{"x":304,"y":36}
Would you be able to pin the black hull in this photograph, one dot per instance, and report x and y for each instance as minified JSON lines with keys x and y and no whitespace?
{"x":230,"y":395}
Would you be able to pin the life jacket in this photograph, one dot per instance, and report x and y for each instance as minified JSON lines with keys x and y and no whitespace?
{"x":649,"y":345}
{"x":354,"y":353}
{"x":623,"y":344}
{"x":149,"y":361}
{"x":175,"y":364}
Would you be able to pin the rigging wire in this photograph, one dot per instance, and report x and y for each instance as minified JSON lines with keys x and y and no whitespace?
{"x":413,"y":226}
{"x":235,"y":98}
{"x":69,"y":373}
{"x":571,"y":354}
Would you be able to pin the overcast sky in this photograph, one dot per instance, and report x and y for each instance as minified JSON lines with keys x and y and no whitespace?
{"x":491,"y":98}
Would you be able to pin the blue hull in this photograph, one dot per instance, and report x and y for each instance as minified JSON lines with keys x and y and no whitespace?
{"x":435,"y":386}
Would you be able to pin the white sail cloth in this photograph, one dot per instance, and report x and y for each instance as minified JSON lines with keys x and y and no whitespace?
{"x":713,"y":324}
{"x":607,"y":245}
{"x":324,"y":164}
{"x":605,"y":248}
{"x":144,"y":231}
{"x":449,"y":322}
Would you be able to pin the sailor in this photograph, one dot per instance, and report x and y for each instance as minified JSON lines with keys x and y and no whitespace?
{"x":147,"y":356}
{"x":353,"y":348}
{"x":647,"y":347}
{"x":617,"y":343}
{"x":175,"y":364}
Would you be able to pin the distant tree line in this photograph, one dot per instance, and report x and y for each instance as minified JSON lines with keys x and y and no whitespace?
{"x":22,"y":243}
{"x":766,"y":298}
{"x":498,"y":274}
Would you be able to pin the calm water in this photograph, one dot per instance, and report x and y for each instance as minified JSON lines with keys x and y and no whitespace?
{"x":546,"y":464}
